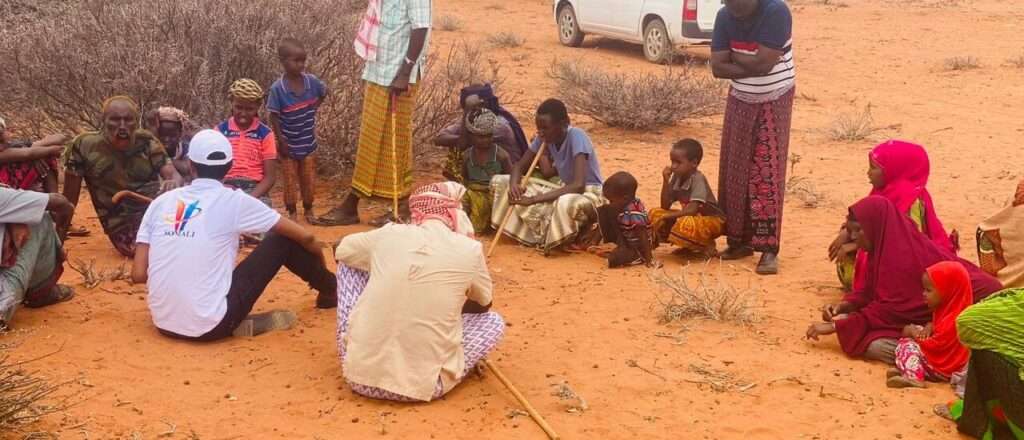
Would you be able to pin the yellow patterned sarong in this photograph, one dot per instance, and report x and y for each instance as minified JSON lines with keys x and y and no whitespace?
{"x":477,"y":204}
{"x":545,"y":225}
{"x":693,"y":232}
{"x":376,"y":160}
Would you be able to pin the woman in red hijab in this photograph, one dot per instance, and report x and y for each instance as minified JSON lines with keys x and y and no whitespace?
{"x":898,"y":171}
{"x":870,"y":319}
{"x":934,"y":351}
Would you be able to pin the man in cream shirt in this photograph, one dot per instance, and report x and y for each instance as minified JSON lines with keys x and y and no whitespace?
{"x":413,"y":301}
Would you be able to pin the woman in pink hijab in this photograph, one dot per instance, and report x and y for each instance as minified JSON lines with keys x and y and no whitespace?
{"x":898,"y":170}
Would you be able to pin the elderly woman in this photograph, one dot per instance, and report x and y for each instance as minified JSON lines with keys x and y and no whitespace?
{"x":413,"y":301}
{"x":174,"y":129}
{"x":118,"y":157}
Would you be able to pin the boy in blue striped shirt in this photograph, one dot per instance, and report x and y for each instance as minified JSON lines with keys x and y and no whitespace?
{"x":292,"y":103}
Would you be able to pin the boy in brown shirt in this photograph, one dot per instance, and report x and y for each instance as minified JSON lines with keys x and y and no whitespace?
{"x":699,"y":220}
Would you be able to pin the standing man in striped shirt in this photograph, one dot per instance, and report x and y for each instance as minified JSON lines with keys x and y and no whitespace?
{"x":393,"y":40}
{"x":752,"y":47}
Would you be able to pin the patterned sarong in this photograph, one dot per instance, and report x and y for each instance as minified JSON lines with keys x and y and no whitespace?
{"x":481,"y":332}
{"x":299,"y":176}
{"x":752,"y":170}
{"x":693,"y":232}
{"x":477,"y":204}
{"x":545,"y":225}
{"x":375,"y":165}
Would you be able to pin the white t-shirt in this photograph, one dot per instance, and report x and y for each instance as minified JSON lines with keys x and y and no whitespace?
{"x":192,"y":234}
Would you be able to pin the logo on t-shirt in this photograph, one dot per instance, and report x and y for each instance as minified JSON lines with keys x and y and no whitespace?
{"x":183,"y":212}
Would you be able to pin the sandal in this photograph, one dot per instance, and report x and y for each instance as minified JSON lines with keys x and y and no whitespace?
{"x":80,"y":231}
{"x":334,"y":217}
{"x":259,"y":323}
{"x":385,"y":219}
{"x":58,"y":294}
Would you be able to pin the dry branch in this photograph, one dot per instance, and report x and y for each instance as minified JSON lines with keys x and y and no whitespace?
{"x":709,"y":296}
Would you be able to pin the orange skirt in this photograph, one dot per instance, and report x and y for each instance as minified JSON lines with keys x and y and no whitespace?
{"x":695,"y":232}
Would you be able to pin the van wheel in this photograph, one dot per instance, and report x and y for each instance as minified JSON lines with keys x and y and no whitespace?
{"x":569,"y":32}
{"x":657,"y":46}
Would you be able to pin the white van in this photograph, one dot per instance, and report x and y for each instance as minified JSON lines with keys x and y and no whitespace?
{"x":659,"y":25}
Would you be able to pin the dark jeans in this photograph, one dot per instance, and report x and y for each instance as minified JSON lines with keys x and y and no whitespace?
{"x":253,"y":274}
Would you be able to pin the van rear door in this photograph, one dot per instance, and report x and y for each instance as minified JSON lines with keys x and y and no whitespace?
{"x":707,"y":10}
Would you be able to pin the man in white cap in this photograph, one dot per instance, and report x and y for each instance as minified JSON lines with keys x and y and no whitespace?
{"x":186,"y":249}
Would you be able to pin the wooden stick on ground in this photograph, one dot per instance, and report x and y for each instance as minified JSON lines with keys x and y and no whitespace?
{"x":522,"y":400}
{"x":522,"y":182}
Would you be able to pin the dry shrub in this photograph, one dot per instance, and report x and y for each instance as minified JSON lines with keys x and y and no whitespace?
{"x":60,"y":64}
{"x":710,"y":296}
{"x":852,"y":127}
{"x":961,"y":62}
{"x":505,"y":40}
{"x":642,"y":101}
{"x":449,"y":23}
{"x":22,"y":393}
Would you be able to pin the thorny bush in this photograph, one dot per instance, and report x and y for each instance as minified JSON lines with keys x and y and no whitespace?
{"x":59,"y":64}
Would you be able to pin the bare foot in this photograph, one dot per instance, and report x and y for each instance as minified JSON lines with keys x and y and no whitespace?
{"x":903,"y":382}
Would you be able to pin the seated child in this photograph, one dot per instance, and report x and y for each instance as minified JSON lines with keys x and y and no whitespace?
{"x":252,"y":142}
{"x":934,"y":352}
{"x":483,"y":160}
{"x":699,"y":221}
{"x":623,"y":221}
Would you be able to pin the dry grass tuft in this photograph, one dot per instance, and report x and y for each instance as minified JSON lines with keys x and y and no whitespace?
{"x":709,"y":296}
{"x":801,"y":187}
{"x":852,"y":127}
{"x":719,"y":381}
{"x":505,"y":40}
{"x":961,"y":62}
{"x":93,"y":277}
{"x":574,"y":402}
{"x":22,"y":393}
{"x":643,"y":101}
{"x":449,"y":23}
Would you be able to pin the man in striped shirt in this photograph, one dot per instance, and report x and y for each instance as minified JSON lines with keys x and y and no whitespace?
{"x":752,"y":47}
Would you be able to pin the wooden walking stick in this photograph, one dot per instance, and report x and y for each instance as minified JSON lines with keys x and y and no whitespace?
{"x":522,"y":401}
{"x":522,"y":182}
{"x":394,"y":156}
{"x":121,"y":195}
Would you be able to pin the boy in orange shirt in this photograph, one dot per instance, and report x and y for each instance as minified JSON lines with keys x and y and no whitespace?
{"x":253,"y":145}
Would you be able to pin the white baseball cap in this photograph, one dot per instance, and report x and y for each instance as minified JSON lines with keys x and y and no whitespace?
{"x":208,"y":143}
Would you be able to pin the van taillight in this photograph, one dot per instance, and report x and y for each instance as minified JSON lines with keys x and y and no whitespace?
{"x":689,"y":10}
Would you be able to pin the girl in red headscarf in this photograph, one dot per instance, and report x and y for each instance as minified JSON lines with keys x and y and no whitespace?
{"x":933,"y":351}
{"x":898,"y":171}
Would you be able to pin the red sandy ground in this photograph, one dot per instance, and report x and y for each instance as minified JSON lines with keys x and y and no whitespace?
{"x":570,"y":319}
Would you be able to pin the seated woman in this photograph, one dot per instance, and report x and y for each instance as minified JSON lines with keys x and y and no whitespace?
{"x":30,"y":165}
{"x":933,"y":352}
{"x":547,"y":215}
{"x":993,"y":402}
{"x":870,"y":319}
{"x":483,"y":161}
{"x":1001,"y":242}
{"x":508,"y":133}
{"x":413,"y":301}
{"x":898,"y":171}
